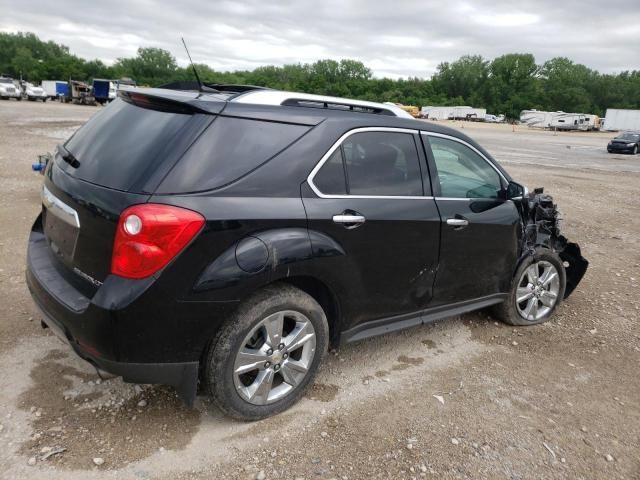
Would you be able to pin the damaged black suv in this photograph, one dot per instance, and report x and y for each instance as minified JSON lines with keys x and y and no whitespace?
{"x":220,"y":241}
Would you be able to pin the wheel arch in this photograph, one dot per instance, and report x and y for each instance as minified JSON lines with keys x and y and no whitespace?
{"x":325,"y":296}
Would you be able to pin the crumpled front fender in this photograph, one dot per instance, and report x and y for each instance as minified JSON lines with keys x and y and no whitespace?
{"x":541,"y":225}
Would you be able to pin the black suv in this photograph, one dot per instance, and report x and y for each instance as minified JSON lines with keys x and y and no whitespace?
{"x":221,"y":241}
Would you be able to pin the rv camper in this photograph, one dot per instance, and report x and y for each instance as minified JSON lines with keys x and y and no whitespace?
{"x":576,"y":121}
{"x":537,"y":118}
{"x":559,"y":120}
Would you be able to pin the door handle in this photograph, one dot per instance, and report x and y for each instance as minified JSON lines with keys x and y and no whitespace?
{"x":349,"y":220}
{"x":457,"y":222}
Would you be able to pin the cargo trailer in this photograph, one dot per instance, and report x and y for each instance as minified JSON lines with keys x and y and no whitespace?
{"x":622,"y":119}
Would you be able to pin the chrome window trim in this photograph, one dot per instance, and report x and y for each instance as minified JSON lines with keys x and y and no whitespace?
{"x":58,"y":208}
{"x":459,"y":140}
{"x":337,"y":144}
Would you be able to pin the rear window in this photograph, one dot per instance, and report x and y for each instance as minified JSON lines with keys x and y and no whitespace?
{"x":229,"y":149}
{"x":119,"y":144}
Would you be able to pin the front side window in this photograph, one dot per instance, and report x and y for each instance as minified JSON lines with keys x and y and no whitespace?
{"x":373,"y":164}
{"x":463,"y":173}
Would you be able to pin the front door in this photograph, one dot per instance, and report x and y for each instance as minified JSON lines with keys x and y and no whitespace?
{"x":367,"y":195}
{"x":480,"y":230}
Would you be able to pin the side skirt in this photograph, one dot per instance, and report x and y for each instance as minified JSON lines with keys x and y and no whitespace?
{"x":382,"y":326}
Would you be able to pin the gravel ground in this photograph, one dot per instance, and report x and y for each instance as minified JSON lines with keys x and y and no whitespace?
{"x":464,"y":398}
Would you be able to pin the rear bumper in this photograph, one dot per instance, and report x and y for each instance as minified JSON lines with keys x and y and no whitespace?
{"x":183,"y":376}
{"x":129,"y":328}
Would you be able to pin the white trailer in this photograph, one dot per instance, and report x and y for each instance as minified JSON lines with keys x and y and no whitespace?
{"x":54,"y":87}
{"x":576,"y":121}
{"x":537,"y":118}
{"x":437,"y":113}
{"x":568,"y":121}
{"x":560,"y":120}
{"x":621,"y":119}
{"x":461,"y":112}
{"x":469,"y":113}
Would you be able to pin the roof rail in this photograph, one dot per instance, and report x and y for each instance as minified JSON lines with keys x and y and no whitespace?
{"x":300,"y":102}
{"x":297,"y":99}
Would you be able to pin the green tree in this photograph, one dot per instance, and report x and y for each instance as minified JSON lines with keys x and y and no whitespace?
{"x":566,"y":84}
{"x":513,"y":84}
{"x":151,"y":66}
{"x":465,"y":78}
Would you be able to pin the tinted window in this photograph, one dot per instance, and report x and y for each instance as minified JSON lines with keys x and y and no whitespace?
{"x":330,"y":180}
{"x":629,"y":136}
{"x":227,"y":150}
{"x":382,"y":163}
{"x":462,"y":172}
{"x":121,"y":142}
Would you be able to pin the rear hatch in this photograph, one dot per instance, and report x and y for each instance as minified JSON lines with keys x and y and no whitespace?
{"x":112,"y":162}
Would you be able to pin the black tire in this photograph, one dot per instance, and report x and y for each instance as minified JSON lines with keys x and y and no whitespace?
{"x":508,"y":311}
{"x":635,"y":150}
{"x":219,"y":368}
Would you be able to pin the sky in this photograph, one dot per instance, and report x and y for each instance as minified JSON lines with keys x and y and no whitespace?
{"x":394,"y":38}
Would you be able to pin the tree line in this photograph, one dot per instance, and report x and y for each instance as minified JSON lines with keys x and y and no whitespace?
{"x":507,"y":84}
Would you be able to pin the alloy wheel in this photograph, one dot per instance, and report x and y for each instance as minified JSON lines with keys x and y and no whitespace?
{"x":537,"y":291}
{"x":275,"y":357}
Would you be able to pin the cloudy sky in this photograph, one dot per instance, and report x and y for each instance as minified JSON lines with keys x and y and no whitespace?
{"x":393,"y":37}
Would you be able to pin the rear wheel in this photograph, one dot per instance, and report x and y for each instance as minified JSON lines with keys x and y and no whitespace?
{"x":267,"y":354}
{"x":536,"y":290}
{"x":635,"y":149}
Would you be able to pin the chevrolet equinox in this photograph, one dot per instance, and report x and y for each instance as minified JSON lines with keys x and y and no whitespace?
{"x":220,"y":241}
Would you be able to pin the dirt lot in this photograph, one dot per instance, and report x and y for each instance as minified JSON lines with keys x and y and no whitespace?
{"x":465,"y":398}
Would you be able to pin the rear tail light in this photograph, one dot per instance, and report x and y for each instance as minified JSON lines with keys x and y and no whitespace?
{"x":149,"y":236}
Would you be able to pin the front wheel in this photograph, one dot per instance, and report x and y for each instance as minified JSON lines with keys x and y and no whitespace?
{"x":536,"y":291}
{"x":635,"y":150}
{"x":267,"y":353}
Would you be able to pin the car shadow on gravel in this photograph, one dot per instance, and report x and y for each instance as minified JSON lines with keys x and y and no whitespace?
{"x":72,"y":408}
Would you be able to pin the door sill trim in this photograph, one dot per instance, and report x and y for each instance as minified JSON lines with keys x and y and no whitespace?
{"x":382,"y":326}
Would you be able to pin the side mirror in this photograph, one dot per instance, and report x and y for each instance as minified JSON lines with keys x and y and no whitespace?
{"x":516,"y":191}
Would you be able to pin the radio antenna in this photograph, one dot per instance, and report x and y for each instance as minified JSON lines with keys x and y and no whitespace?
{"x":195,"y":72}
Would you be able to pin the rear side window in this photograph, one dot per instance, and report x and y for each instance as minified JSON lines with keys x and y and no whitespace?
{"x":227,"y":150}
{"x":331,"y":180}
{"x":373,"y":164}
{"x":121,"y":142}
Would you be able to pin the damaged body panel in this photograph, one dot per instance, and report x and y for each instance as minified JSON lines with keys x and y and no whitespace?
{"x":541,"y":228}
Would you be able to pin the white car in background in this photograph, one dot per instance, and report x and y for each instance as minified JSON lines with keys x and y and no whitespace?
{"x":34,"y":93}
{"x":8,"y":89}
{"x":494,"y":118}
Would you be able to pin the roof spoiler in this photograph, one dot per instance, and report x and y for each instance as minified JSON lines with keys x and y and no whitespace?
{"x":168,"y":103}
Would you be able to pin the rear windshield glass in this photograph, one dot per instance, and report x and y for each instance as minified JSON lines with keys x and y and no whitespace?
{"x":118,"y":145}
{"x":227,"y":150}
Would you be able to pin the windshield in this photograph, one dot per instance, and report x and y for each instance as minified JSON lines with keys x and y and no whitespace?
{"x":6,"y":80}
{"x":632,"y":137}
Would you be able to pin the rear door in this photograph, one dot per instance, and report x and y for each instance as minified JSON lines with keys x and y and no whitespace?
{"x":480,"y":230}
{"x":367,"y":195}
